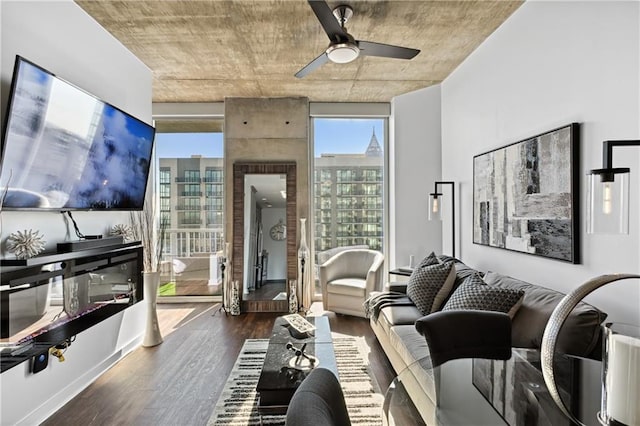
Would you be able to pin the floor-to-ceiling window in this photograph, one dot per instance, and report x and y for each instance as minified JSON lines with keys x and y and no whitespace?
{"x":189,"y":190}
{"x":348,"y":184}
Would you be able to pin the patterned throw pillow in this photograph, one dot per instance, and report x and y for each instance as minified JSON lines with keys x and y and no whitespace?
{"x":428,"y":287}
{"x":431,"y":259}
{"x":475,"y":294}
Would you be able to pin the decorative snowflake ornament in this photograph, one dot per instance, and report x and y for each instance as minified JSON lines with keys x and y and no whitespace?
{"x":124,"y":230}
{"x":25,"y":244}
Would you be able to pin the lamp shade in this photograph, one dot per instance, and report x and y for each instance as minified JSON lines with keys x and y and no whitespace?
{"x":435,"y":207}
{"x":608,"y":201}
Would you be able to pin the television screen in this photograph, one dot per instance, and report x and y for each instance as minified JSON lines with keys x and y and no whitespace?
{"x":65,"y":149}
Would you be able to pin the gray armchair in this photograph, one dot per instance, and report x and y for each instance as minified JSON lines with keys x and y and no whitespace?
{"x":347,"y":279}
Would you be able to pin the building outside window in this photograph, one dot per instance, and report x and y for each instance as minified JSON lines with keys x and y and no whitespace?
{"x":349,"y":161}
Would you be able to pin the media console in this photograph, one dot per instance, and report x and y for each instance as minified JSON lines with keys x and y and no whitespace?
{"x":48,"y":299}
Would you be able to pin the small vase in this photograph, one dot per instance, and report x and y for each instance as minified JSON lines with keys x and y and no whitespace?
{"x":303,"y":254}
{"x":303,"y":250}
{"x":293,"y":297}
{"x":152,"y":335}
{"x":235,"y":299}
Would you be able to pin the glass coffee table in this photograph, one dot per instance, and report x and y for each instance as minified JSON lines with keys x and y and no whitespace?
{"x":483,"y":392}
{"x":283,"y":371}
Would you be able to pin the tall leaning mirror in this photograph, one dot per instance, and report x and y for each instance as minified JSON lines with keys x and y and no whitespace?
{"x":264,"y":234}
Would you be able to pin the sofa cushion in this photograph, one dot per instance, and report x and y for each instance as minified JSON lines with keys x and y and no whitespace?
{"x":401,"y":315}
{"x":411,"y":346}
{"x":475,"y":294}
{"x":580,"y":334}
{"x":428,"y":287}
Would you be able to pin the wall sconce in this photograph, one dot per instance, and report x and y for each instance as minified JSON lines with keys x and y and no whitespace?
{"x":608,"y":194}
{"x":435,"y":209}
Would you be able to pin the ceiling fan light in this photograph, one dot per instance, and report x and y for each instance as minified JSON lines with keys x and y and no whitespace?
{"x":343,"y":53}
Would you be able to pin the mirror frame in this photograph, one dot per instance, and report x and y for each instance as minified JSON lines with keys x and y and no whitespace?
{"x":240,"y":169}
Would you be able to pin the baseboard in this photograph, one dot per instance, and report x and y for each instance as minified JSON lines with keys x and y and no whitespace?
{"x":67,"y":393}
{"x":189,"y":299}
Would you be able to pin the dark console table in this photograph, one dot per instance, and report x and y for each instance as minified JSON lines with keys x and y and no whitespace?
{"x":279,"y":377}
{"x":48,"y":299}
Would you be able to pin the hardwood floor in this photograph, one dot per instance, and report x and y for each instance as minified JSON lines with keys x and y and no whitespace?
{"x":179,"y":381}
{"x":267,"y":292}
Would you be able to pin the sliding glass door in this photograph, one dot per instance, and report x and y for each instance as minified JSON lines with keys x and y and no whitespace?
{"x":190,"y":190}
{"x":349,"y":185}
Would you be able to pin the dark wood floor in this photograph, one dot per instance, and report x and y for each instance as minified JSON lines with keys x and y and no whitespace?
{"x":179,"y":381}
{"x":267,"y":292}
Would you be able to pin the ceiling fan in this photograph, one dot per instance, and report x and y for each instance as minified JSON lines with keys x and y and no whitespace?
{"x":343,"y":48}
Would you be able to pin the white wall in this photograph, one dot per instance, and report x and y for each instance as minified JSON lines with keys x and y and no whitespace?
{"x":277,"y":267}
{"x":550,"y":64}
{"x":64,"y":39}
{"x":414,"y":165}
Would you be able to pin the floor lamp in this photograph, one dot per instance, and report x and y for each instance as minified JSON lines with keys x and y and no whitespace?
{"x":435,"y":209}
{"x":621,"y":374}
{"x":223,"y":265}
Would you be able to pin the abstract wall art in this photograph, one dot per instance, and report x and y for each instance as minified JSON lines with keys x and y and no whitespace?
{"x":525,"y":195}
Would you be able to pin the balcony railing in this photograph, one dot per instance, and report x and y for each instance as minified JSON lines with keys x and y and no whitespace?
{"x":209,"y":207}
{"x":186,"y":242}
{"x":190,"y":221}
{"x":191,"y":194}
{"x":187,"y":207}
{"x":188,"y":180}
{"x":212,"y":180}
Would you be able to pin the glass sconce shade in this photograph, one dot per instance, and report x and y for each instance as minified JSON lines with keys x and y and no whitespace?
{"x":608,"y":201}
{"x":435,"y":209}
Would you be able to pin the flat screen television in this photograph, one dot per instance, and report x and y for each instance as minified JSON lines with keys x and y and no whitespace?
{"x":65,"y":149}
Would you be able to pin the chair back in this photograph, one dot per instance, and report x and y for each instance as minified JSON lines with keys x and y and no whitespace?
{"x":356,"y":262}
{"x":318,"y":401}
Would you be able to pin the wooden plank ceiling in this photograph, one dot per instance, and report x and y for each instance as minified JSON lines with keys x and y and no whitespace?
{"x":204,"y":51}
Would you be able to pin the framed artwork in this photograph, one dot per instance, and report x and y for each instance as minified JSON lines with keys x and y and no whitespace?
{"x":525,"y":195}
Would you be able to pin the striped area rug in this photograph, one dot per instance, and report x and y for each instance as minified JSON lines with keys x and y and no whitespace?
{"x":237,"y":405}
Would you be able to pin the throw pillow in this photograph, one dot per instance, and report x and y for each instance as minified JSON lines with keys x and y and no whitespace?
{"x":428,"y":287}
{"x":431,"y":259}
{"x":475,"y":294}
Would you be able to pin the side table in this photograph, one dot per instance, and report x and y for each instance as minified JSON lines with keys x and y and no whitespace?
{"x":401,"y":274}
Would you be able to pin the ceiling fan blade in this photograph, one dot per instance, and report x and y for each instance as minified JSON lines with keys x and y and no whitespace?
{"x":370,"y":48}
{"x":313,"y":65}
{"x":327,"y":20}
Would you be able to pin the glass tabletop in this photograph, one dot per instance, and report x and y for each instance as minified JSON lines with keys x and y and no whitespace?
{"x":492,"y":392}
